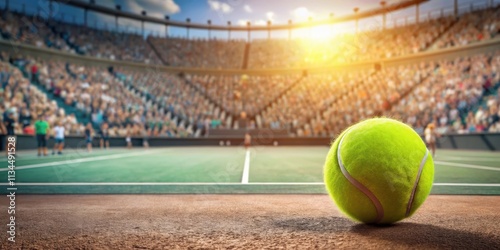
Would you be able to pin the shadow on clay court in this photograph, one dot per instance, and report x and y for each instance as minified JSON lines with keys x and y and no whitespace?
{"x":413,"y":234}
{"x":404,"y":233}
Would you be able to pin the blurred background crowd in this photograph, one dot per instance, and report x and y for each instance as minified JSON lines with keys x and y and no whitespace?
{"x":460,"y":95}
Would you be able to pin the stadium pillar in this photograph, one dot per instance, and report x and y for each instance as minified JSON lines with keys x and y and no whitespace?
{"x":144,"y":13}
{"x":331,"y":24}
{"x":166,"y":26}
{"x":268,"y":29}
{"x":289,"y":29}
{"x":85,"y":17}
{"x":209,"y":22}
{"x":248,"y":31}
{"x":50,"y":10}
{"x":382,"y":3}
{"x":356,"y":13}
{"x":383,"y":21}
{"x":417,"y":14}
{"x":118,"y":8}
{"x":456,"y":8}
{"x":229,"y":30}
{"x":188,"y":20}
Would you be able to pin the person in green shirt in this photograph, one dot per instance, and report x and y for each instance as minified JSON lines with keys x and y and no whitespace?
{"x":41,"y":130}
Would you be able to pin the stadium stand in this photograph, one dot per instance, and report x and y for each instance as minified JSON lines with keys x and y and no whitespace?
{"x":212,"y":53}
{"x":471,"y":27}
{"x":27,"y":102}
{"x":314,"y":106}
{"x":460,"y":95}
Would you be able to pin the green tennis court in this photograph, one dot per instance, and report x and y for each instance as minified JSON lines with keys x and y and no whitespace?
{"x":221,"y":170}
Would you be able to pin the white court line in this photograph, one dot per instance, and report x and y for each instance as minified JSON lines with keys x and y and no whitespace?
{"x":461,"y":165}
{"x":98,"y":158}
{"x":216,"y":184}
{"x":468,"y":184}
{"x":486,"y":159}
{"x":246,"y":168}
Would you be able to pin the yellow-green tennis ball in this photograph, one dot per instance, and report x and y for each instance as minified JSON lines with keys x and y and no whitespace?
{"x":379,"y":171}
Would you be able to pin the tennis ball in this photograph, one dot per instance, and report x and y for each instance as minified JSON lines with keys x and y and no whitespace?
{"x":379,"y":171}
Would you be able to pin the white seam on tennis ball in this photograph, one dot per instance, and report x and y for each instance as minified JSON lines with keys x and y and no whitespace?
{"x":357,"y":184}
{"x":420,"y":169}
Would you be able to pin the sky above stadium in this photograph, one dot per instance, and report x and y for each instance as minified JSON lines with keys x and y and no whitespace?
{"x":258,"y":12}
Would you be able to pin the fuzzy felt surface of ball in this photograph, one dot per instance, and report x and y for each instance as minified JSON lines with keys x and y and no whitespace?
{"x":379,"y":171}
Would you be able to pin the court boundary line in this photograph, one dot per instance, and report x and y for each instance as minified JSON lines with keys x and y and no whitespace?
{"x":246,"y":168}
{"x":80,"y":160}
{"x":485,"y":159}
{"x":462,"y":165}
{"x":215,"y":184}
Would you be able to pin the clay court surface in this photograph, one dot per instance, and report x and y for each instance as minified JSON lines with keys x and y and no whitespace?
{"x":229,"y":198}
{"x":243,"y":221}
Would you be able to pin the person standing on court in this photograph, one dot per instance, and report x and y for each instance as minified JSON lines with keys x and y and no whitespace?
{"x":431,"y":137}
{"x":10,"y":123}
{"x":59,"y":138}
{"x":41,"y":130}
{"x":104,"y":134}
{"x":88,"y":137}
{"x":248,"y":140}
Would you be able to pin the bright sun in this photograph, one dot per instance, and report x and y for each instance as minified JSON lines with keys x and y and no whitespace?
{"x":301,"y":14}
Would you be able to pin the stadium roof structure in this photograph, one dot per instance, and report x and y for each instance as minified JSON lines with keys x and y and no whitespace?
{"x":144,"y":18}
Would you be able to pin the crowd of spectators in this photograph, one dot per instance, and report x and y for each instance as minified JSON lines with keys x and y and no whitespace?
{"x":131,"y":103}
{"x":460,"y":96}
{"x":29,"y":30}
{"x":472,"y":27}
{"x":106,"y":44}
{"x":238,"y":94}
{"x":344,"y":48}
{"x":172,"y":94}
{"x":72,"y":38}
{"x":323,"y":104}
{"x":200,"y":53}
{"x":23,"y":103}
{"x":373,"y":44}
